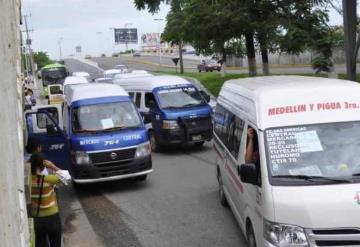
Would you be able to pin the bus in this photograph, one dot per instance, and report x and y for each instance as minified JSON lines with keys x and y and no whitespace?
{"x":53,"y":74}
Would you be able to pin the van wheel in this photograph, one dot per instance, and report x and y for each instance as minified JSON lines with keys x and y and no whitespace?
{"x":141,"y":178}
{"x":199,"y":144}
{"x":251,"y":237}
{"x":154,"y":145}
{"x":222,"y":197}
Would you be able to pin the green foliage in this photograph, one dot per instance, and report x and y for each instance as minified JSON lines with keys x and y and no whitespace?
{"x":41,"y":59}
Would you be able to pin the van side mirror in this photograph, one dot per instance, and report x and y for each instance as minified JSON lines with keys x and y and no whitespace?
{"x":205,"y":95}
{"x":51,"y":129}
{"x":247,"y":173}
{"x":147,"y":117}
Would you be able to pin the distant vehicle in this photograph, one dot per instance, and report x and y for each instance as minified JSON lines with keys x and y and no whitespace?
{"x":55,"y":94}
{"x":129,"y":75}
{"x":82,"y":74}
{"x":138,"y":71}
{"x":122,"y":68}
{"x":103,"y":55}
{"x":72,"y":80}
{"x":115,"y":55}
{"x":87,"y":57}
{"x":209,"y":65}
{"x":52,"y":74}
{"x":111,"y":73}
{"x":190,"y":53}
{"x":103,"y":80}
{"x":136,"y":54}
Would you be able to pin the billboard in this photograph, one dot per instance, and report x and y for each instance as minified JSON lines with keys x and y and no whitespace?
{"x":126,"y":35}
{"x":150,"y":39}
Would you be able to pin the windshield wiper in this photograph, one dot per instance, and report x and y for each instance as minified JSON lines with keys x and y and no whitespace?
{"x":86,"y":131}
{"x":120,"y":128}
{"x":314,"y":178}
{"x":190,"y":105}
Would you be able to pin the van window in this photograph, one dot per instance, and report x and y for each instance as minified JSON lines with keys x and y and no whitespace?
{"x":42,"y":119}
{"x":138,"y":100}
{"x":252,"y":152}
{"x":149,"y":97}
{"x":229,"y":128}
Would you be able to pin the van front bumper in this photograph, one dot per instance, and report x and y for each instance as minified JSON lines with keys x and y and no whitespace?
{"x":112,"y":171}
{"x":180,"y":137}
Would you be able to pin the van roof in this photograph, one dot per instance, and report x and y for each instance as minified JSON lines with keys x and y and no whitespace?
{"x":130,"y":75}
{"x":69,"y":80}
{"x":93,"y":90}
{"x":275,"y":101}
{"x":148,"y":83}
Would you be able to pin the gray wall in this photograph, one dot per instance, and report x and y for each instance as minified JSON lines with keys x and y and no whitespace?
{"x":13,"y":217}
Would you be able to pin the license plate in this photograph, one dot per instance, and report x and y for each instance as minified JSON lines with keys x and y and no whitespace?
{"x":197,"y":138}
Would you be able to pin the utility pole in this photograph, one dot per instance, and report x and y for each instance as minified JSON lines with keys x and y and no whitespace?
{"x":159,"y":42}
{"x":60,"y":50}
{"x":28,"y":43}
{"x":349,"y":14}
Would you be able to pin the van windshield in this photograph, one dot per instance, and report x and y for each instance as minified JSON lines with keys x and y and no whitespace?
{"x":105,"y":117}
{"x":314,"y":153}
{"x":180,"y":97}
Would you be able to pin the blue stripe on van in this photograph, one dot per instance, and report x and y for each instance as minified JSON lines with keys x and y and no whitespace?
{"x":101,"y":100}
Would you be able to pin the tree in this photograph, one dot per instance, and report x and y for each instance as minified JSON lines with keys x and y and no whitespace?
{"x":41,"y":59}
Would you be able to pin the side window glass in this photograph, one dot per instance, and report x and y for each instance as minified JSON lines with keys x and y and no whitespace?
{"x":252,"y":152}
{"x":235,"y":135}
{"x":148,"y":97}
{"x":42,"y":119}
{"x":131,"y":94}
{"x":138,"y":100}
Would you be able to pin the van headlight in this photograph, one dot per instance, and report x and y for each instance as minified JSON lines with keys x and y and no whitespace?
{"x":170,"y":124}
{"x":81,"y":158}
{"x":282,"y":235}
{"x":143,"y":150}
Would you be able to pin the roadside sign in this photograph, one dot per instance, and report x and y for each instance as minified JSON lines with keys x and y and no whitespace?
{"x":126,"y":35}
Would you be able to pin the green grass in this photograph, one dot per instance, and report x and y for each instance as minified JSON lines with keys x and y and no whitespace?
{"x":213,"y":81}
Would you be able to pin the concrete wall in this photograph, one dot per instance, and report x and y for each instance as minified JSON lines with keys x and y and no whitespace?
{"x":289,"y":59}
{"x":13,"y":217}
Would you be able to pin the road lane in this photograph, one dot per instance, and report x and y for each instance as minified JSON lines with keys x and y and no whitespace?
{"x":177,"y":206}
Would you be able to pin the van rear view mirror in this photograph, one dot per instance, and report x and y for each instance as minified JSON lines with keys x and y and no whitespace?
{"x":147,"y":117}
{"x":247,"y":173}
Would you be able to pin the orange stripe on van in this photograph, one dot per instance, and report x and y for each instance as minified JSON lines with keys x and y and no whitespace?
{"x":234,"y":178}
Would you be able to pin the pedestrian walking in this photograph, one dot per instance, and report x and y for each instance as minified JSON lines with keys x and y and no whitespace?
{"x":44,"y":204}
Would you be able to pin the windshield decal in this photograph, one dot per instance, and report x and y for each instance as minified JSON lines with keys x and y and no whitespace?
{"x":328,"y":106}
{"x":308,"y":171}
{"x":174,"y":90}
{"x":308,"y":141}
{"x":107,"y":123}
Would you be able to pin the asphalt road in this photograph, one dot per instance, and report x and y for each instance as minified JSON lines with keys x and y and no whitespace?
{"x":177,"y":205}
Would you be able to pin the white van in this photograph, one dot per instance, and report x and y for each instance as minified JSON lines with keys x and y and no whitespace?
{"x":288,"y":159}
{"x":72,"y":80}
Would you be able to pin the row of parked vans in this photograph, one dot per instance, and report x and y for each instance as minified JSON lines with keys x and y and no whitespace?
{"x":106,"y":131}
{"x":287,"y":147}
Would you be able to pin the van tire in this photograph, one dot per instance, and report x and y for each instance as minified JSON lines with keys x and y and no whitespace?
{"x":222,"y":197}
{"x":155,"y":147}
{"x":199,"y":144}
{"x":250,"y":236}
{"x":141,"y":178}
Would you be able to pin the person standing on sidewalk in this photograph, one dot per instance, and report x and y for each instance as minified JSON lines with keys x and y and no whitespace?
{"x":44,"y":204}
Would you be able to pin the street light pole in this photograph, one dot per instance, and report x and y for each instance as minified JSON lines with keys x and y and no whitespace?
{"x":159,"y":41}
{"x":60,"y":50}
{"x":128,"y":37}
{"x":349,"y":8}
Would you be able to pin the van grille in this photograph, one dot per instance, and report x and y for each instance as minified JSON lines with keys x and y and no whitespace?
{"x":199,"y":123}
{"x":122,"y":155}
{"x":334,"y":237}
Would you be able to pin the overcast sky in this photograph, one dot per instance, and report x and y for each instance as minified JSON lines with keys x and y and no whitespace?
{"x":87,"y":23}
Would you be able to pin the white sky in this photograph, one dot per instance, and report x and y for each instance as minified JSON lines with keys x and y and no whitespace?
{"x":87,"y":23}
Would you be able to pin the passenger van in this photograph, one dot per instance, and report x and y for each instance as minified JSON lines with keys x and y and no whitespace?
{"x":72,"y":80}
{"x":99,"y":136}
{"x":288,"y":159}
{"x":173,"y":109}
